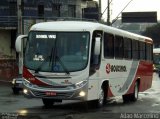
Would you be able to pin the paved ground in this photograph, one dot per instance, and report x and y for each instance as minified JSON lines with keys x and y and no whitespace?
{"x":16,"y":106}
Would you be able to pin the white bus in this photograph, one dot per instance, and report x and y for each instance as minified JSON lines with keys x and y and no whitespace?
{"x":77,"y":60}
{"x":156,"y":59}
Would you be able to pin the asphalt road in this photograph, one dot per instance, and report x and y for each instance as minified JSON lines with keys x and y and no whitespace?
{"x":18,"y":107}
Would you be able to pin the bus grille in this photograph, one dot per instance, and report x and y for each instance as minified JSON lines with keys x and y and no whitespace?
{"x":58,"y":95}
{"x":50,"y":86}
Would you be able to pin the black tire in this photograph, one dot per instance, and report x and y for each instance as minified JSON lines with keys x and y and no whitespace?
{"x":134,"y":96}
{"x":15,"y":90}
{"x":126,"y":98}
{"x":48,"y":102}
{"x":102,"y":99}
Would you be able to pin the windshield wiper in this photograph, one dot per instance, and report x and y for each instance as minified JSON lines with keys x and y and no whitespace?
{"x":54,"y":58}
{"x":64,"y":67}
{"x":51,"y":58}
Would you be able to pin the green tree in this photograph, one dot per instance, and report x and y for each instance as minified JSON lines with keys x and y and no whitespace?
{"x":154,"y":33}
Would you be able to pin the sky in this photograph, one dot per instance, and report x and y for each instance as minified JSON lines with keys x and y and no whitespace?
{"x":135,"y":6}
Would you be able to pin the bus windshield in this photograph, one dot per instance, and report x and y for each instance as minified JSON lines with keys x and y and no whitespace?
{"x":57,"y":51}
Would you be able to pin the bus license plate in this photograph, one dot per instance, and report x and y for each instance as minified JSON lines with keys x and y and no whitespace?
{"x":51,"y":93}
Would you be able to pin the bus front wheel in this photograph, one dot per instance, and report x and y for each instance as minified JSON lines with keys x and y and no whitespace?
{"x":48,"y":102}
{"x":102,"y":99}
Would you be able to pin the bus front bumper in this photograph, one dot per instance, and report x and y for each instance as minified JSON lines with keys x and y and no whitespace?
{"x":67,"y":93}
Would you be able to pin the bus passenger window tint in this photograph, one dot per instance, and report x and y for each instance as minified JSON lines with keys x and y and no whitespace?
{"x":119,"y":49}
{"x":127,"y":48}
{"x":142,"y":51}
{"x":108,"y":45}
{"x":149,"y":52}
{"x":135,"y":50}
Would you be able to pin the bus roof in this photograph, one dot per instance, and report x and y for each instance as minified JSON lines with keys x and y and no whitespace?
{"x":85,"y":26}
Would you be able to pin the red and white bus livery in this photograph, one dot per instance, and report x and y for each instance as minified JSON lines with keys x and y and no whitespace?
{"x":79,"y":60}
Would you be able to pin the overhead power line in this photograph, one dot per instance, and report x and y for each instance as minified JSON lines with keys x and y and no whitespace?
{"x":122,"y":11}
{"x":106,"y":8}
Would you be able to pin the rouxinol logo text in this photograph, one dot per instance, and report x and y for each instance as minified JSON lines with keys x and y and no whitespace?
{"x":115,"y":68}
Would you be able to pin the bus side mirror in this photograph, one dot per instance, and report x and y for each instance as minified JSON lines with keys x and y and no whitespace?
{"x":19,"y":41}
{"x":97,"y":46}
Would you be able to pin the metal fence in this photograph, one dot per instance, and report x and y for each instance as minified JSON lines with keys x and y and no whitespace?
{"x":8,"y":22}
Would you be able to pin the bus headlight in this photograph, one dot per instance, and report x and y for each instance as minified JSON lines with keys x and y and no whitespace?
{"x":25,"y":91}
{"x":82,"y":94}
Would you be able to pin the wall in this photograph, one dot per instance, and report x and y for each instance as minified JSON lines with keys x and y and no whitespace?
{"x":8,"y":65}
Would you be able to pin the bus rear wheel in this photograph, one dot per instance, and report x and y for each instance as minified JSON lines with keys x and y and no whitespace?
{"x":126,"y":98}
{"x":134,"y":96}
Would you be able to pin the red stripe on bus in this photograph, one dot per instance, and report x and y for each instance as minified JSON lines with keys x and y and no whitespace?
{"x":27,"y":75}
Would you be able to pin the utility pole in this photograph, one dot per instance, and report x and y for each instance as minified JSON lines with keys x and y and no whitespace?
{"x":108,"y":13}
{"x":99,"y":14}
{"x":19,"y":16}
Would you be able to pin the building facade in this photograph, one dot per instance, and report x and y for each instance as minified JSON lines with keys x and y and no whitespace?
{"x":32,"y":11}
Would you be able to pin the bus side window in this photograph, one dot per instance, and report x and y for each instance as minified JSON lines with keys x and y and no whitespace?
{"x":108,"y":45}
{"x":127,"y":48}
{"x":149,"y":51}
{"x":119,"y":47}
{"x":142,"y":51}
{"x":135,"y":49}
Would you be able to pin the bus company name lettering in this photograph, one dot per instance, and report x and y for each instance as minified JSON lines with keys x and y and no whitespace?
{"x":115,"y":68}
{"x":46,"y":36}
